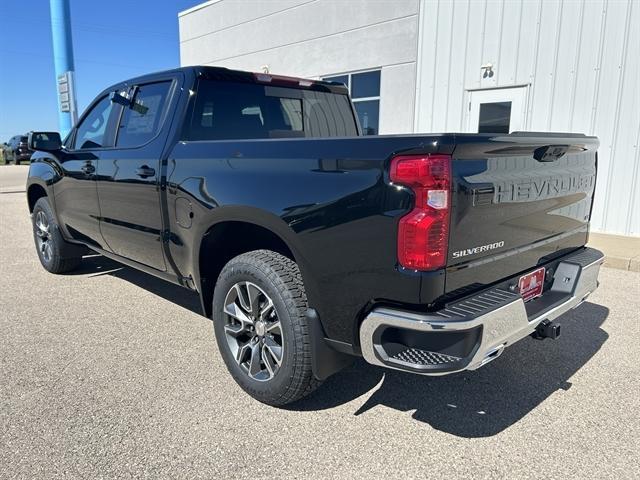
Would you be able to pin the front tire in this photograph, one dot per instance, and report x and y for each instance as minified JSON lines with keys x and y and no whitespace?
{"x":259,"y":316}
{"x":56,"y":255}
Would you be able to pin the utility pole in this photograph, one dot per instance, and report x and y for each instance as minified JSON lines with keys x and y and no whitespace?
{"x":63,"y":60}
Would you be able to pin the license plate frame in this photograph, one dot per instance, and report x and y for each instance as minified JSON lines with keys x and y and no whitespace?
{"x":530,"y":285}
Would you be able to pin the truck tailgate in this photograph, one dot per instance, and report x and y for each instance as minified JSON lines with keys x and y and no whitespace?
{"x":518,"y":201}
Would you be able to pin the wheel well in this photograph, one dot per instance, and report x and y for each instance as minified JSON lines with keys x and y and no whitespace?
{"x":35,"y":193}
{"x":227,"y":240}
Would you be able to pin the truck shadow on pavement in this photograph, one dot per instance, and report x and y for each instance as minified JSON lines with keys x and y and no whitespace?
{"x":97,"y":265}
{"x":479,"y":403}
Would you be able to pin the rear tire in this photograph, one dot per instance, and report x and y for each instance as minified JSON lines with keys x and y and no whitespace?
{"x":56,"y":255}
{"x":259,"y":317}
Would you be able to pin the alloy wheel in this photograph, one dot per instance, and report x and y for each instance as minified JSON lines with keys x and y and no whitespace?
{"x":253,"y":331}
{"x":43,"y":236}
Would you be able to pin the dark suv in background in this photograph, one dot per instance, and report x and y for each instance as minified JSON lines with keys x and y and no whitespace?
{"x":17,"y":150}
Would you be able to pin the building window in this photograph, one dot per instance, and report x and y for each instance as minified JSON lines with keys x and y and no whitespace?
{"x":364,"y":88}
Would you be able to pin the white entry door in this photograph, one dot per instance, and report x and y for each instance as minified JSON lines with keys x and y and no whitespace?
{"x":498,"y":110}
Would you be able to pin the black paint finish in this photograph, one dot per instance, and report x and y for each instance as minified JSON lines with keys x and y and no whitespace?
{"x":328,"y":199}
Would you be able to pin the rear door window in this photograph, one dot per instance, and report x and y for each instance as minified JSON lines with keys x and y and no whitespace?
{"x":143,"y":119}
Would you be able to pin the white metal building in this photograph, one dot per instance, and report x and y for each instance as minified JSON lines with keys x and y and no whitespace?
{"x":455,"y":66}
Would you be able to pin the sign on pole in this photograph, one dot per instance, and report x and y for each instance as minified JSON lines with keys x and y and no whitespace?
{"x":65,"y":94}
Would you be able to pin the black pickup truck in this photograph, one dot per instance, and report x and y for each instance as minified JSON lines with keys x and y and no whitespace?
{"x":310,"y":244}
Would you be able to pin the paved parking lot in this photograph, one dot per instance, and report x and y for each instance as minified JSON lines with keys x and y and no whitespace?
{"x":111,"y":373}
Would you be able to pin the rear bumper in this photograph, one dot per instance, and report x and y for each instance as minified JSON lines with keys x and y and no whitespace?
{"x":471,"y":332}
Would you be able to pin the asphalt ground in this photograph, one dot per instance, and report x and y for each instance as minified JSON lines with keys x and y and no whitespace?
{"x":111,"y":373}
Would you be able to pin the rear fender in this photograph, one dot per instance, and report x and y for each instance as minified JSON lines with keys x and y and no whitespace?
{"x":260,"y":218}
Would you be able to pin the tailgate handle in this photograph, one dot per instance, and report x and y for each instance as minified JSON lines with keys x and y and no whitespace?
{"x":550,"y":153}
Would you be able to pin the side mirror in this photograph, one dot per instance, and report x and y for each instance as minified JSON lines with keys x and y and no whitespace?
{"x":46,"y":141}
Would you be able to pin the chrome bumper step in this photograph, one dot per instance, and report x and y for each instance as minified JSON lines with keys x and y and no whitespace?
{"x":468,"y":333}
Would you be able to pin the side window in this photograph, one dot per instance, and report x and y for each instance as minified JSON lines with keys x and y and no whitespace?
{"x":141,"y":122}
{"x":91,"y":131}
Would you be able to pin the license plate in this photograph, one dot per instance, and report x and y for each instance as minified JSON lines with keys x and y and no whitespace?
{"x":531,"y":284}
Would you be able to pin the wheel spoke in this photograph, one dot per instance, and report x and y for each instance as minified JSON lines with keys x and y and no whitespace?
{"x":48,"y":251}
{"x":253,"y":293}
{"x":235,"y":330}
{"x":266,"y":310}
{"x":274,"y":350}
{"x":238,"y":313}
{"x":268,"y":362}
{"x":243,"y":297}
{"x":254,"y":364}
{"x":242,"y":352}
{"x":274,"y":327}
{"x":42,"y":225}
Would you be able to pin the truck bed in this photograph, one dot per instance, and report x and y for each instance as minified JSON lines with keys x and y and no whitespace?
{"x":336,"y":196}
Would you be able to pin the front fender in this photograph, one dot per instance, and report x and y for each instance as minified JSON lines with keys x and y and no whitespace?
{"x":43,"y":171}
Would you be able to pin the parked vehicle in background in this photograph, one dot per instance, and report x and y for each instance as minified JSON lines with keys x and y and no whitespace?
{"x":309,"y":243}
{"x":17,"y":150}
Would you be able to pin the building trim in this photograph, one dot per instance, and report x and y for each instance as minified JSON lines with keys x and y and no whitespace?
{"x":195,"y":8}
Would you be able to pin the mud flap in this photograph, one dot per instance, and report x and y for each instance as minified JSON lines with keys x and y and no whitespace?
{"x":325,"y":360}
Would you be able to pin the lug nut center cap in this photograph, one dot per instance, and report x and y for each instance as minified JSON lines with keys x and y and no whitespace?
{"x":261,"y":329}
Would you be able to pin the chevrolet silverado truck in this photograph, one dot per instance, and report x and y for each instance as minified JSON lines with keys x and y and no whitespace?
{"x":310,"y":244}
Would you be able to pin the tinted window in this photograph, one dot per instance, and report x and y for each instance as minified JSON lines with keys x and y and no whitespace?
{"x":91,"y":131}
{"x":226,"y":110}
{"x":494,"y":117}
{"x":365,"y":84}
{"x":141,"y":122}
{"x":23,"y":139}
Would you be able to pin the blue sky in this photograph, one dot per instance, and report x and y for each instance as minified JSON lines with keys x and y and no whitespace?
{"x":113,"y":40}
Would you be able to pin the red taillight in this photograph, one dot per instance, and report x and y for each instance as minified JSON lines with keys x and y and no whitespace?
{"x":423,"y":234}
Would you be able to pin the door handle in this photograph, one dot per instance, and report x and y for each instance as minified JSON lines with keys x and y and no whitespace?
{"x":145,"y":171}
{"x":88,"y":169}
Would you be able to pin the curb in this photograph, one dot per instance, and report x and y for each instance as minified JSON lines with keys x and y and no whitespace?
{"x":621,"y":252}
